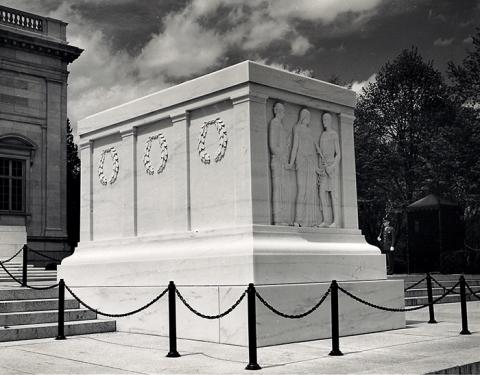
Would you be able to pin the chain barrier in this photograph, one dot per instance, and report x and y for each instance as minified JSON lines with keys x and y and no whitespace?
{"x":116,"y":315}
{"x":391,"y":309}
{"x":13,"y":256}
{"x":28,"y":286}
{"x":472,"y":292}
{"x":43,"y":255}
{"x":441,"y":286}
{"x":196,"y":312}
{"x":293,"y":316}
{"x":414,"y":285}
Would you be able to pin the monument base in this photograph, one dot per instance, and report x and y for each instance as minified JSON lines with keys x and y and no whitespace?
{"x":291,"y":268}
{"x":354,"y":318}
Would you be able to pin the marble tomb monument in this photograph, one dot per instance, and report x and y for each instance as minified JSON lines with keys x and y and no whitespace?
{"x":243,"y":175}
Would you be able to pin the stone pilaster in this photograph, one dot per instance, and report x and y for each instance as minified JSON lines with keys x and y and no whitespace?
{"x":129,"y":166}
{"x":86,"y":190}
{"x":348,"y":177}
{"x":252,"y":177}
{"x":181,"y":165}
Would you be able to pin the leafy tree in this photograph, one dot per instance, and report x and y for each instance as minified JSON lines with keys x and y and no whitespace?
{"x":466,"y":76}
{"x":404,"y":123}
{"x":465,"y":91}
{"x":73,"y":189}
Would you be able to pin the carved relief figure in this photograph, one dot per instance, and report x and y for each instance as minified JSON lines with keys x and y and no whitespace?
{"x":283,"y":179}
{"x":304,"y":157}
{"x":329,"y":151}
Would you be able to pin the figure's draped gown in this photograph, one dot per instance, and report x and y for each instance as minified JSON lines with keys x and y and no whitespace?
{"x":307,"y":212}
{"x":284,"y":184}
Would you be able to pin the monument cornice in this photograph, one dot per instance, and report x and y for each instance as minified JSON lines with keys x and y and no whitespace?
{"x":39,"y":45}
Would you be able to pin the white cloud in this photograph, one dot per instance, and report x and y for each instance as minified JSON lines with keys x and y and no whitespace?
{"x":300,"y":45}
{"x":443,"y":42}
{"x":182,"y":49}
{"x":468,"y":40}
{"x":323,"y":10}
{"x":358,"y":86}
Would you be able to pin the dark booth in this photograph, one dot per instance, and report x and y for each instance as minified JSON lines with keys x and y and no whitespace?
{"x":434,"y":228}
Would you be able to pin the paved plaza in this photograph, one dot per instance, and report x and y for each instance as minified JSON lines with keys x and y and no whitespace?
{"x":420,"y":348}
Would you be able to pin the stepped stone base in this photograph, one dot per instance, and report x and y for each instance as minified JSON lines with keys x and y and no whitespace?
{"x":355,"y":318}
{"x":292,"y":267}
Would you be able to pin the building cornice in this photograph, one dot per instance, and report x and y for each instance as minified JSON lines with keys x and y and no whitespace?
{"x":34,"y":44}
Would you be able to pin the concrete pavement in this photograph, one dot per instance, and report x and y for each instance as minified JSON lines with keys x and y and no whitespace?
{"x":420,"y":348}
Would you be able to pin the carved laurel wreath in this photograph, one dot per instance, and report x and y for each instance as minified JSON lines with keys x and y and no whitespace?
{"x":163,"y":154}
{"x":114,"y":155}
{"x":222,"y":141}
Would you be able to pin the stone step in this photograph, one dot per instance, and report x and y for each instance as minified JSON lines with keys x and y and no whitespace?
{"x":415,"y":277}
{"x":46,"y":280}
{"x":35,"y":305}
{"x":25,"y":293}
{"x":30,"y":274}
{"x":46,"y":330}
{"x":446,"y":283}
{"x":422,"y":292}
{"x":451,"y":298}
{"x":37,"y":317}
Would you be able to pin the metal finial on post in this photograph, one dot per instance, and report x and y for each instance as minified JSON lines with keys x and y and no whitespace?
{"x":172,"y":322}
{"x":61,"y":311}
{"x":430,"y":300}
{"x":252,"y":330}
{"x":463,"y":304}
{"x":335,"y":326}
{"x":24,"y":265}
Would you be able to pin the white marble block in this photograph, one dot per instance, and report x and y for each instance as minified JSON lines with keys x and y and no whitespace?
{"x":244,"y":175}
{"x":12,"y":239}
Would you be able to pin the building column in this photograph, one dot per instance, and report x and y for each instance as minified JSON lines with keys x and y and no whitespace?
{"x":348,"y":174}
{"x":86,"y":191}
{"x":129,"y":165}
{"x":181,"y":166}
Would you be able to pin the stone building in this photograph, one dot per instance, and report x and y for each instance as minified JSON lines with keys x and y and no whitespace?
{"x":34,"y":55}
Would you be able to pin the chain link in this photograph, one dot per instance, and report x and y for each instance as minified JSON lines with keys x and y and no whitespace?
{"x":13,"y":256}
{"x":293,"y":316}
{"x":116,"y":315}
{"x":391,"y":309}
{"x":226,"y":312}
{"x":414,"y":285}
{"x":28,"y":286}
{"x":441,"y":286}
{"x":472,"y":292}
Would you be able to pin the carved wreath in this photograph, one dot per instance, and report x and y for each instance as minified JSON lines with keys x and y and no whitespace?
{"x":114,"y":155}
{"x":163,"y":154}
{"x":222,"y":141}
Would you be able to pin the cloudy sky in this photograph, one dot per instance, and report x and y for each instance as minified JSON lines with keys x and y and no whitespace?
{"x":135,"y":47}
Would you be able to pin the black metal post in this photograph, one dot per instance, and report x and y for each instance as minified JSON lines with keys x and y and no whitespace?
{"x":430,"y":299}
{"x":61,"y":311}
{"x":24,"y":265}
{"x":252,"y":330}
{"x":335,"y":326}
{"x":172,"y":321}
{"x":463,"y":304}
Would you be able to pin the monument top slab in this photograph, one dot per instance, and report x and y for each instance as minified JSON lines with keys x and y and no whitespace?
{"x":234,"y":76}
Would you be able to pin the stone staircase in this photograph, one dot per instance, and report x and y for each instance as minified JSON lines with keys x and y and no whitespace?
{"x":35,"y":275}
{"x":418,"y":294}
{"x":32,"y":314}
